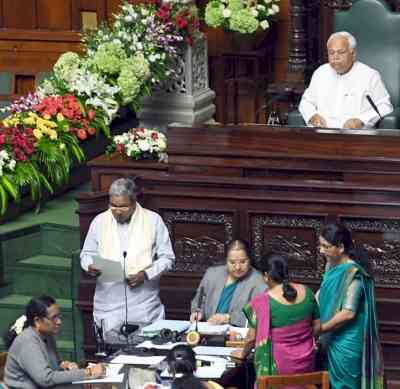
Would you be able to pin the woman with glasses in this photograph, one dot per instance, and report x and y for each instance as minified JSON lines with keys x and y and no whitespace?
{"x":32,"y":359}
{"x":348,"y":314}
{"x":226,"y":289}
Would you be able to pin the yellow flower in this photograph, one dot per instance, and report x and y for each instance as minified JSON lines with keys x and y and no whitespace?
{"x":29,"y":121}
{"x":52,"y":134}
{"x":60,"y":117}
{"x":37,"y":133}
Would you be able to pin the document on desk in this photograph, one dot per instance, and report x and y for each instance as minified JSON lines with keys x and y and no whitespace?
{"x":111,"y":271}
{"x":106,"y":380}
{"x":209,"y":350}
{"x":166,"y":346}
{"x":138,"y":360}
{"x":213,"y":371}
{"x":113,"y":375}
{"x":210,"y":329}
{"x":173,"y":325}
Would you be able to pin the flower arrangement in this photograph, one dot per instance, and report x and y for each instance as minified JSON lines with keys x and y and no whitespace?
{"x":140,"y":143}
{"x":123,"y":62}
{"x":242,"y":16}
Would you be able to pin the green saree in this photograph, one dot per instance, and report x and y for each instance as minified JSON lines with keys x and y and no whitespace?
{"x":353,"y":352}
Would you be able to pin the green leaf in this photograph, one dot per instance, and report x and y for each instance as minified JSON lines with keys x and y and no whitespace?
{"x":10,"y":187}
{"x":3,"y":200}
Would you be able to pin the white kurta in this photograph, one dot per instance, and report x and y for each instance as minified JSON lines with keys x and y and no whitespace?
{"x":144,"y":304}
{"x":338,"y":98}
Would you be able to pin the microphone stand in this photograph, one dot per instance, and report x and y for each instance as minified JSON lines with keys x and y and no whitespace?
{"x":124,"y":328}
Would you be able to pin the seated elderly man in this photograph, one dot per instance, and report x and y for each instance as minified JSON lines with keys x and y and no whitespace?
{"x":343,"y":92}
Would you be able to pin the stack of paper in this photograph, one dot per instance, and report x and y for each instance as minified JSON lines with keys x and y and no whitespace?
{"x":112,"y":375}
{"x":138,"y":360}
{"x":220,"y":351}
{"x":173,"y":325}
{"x":210,"y":329}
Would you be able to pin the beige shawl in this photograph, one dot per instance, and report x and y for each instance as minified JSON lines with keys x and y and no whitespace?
{"x":141,"y":238}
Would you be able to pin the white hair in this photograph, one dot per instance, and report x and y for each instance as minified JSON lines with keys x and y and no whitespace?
{"x":344,"y":34}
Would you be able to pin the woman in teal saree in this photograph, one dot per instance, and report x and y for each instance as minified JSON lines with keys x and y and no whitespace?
{"x":349,"y":330}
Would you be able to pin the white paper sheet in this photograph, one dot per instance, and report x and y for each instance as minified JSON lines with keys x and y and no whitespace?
{"x":111,"y":271}
{"x":166,"y":346}
{"x":138,"y":360}
{"x":213,"y":371}
{"x":210,"y":329}
{"x":111,"y":380}
{"x":208,"y":350}
{"x":173,"y":325}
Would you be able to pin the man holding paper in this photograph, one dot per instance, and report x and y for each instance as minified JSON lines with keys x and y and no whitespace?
{"x":138,"y":241}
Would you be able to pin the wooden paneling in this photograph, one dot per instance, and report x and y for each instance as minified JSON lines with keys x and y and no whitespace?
{"x":54,"y":14}
{"x":19,"y":14}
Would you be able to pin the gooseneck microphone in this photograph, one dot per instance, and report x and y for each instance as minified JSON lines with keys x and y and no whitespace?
{"x":373,"y":105}
{"x":199,"y":305}
{"x":124,"y":327}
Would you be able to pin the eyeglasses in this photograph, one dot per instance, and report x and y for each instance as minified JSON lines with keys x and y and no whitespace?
{"x":54,"y":318}
{"x":326,"y":246}
{"x":120,"y":208}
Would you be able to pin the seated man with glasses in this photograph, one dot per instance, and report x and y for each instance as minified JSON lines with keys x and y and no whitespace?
{"x":139,"y":239}
{"x":344,"y":93}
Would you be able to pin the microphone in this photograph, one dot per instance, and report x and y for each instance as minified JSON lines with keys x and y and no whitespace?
{"x":199,"y":306}
{"x":373,"y":105}
{"x":99,"y":337}
{"x":193,"y":337}
{"x":127,"y":328}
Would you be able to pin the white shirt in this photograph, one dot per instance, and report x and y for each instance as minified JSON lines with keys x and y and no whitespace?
{"x":339,"y":97}
{"x":144,"y":304}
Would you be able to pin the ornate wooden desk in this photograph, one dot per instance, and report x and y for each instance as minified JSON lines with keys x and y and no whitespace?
{"x":275,"y":187}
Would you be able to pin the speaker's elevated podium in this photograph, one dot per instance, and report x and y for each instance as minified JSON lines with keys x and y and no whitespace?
{"x":275,"y":187}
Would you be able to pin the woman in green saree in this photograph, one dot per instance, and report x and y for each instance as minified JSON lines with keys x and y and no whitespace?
{"x":349,"y":328}
{"x":283,"y":322}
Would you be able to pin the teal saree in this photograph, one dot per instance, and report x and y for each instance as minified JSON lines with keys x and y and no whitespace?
{"x":226,"y":298}
{"x":354,"y":357}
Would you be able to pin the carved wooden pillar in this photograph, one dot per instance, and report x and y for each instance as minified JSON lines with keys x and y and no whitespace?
{"x":297,"y":40}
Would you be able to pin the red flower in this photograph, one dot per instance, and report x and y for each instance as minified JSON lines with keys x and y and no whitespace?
{"x":181,"y":22}
{"x":2,"y":139}
{"x":82,"y":134}
{"x":154,"y":136}
{"x":164,"y":12}
{"x":91,"y":114}
{"x":91,"y":130}
{"x":189,"y":40}
{"x":120,"y":148}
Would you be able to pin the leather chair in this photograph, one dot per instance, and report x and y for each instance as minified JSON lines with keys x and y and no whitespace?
{"x":376,"y":29}
{"x":307,"y":380}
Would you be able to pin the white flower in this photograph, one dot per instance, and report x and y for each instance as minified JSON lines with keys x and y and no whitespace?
{"x":18,"y":326}
{"x":254,"y":12}
{"x":128,"y":18}
{"x":3,"y":154}
{"x":267,"y":1}
{"x":12,"y":164}
{"x":275,"y":8}
{"x":152,"y":58}
{"x":261,"y":7}
{"x":143,"y":145}
{"x":264,"y":24}
{"x":226,"y":13}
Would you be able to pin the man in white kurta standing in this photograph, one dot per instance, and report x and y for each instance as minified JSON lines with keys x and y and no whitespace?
{"x":337,"y":94}
{"x":128,"y":233}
